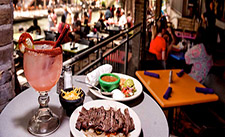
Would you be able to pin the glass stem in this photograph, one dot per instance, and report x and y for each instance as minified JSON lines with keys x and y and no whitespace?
{"x":43,"y":99}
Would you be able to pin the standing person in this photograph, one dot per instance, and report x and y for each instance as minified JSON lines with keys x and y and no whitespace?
{"x":129,"y":20}
{"x":199,"y":56}
{"x":85,"y":18}
{"x":123,"y":19}
{"x":51,"y":24}
{"x":90,"y":14}
{"x":54,"y":17}
{"x":112,"y":9}
{"x":65,"y":12}
{"x":209,"y":18}
{"x":118,"y":13}
{"x":108,"y":13}
{"x":85,"y":21}
{"x":101,"y":20}
{"x":69,"y":18}
{"x":35,"y":27}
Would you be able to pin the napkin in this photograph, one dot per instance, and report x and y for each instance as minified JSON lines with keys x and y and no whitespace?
{"x":180,"y":74}
{"x":92,"y":77}
{"x":151,"y":74}
{"x":204,"y":90}
{"x":168,"y":92}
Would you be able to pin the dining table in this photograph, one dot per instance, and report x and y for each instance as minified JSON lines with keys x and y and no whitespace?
{"x":179,"y":56}
{"x":15,"y":116}
{"x":113,"y":29}
{"x":73,"y":47}
{"x":183,"y":90}
{"x":97,"y":35}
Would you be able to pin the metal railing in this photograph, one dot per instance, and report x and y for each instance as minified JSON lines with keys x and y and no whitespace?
{"x":102,"y":56}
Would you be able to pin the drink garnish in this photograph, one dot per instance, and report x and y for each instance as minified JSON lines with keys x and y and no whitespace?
{"x":25,"y":40}
{"x":62,"y":35}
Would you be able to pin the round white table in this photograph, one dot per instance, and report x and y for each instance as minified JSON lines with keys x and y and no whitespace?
{"x":15,"y":116}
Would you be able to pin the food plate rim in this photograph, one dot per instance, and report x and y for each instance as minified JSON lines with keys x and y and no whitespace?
{"x":105,"y":103}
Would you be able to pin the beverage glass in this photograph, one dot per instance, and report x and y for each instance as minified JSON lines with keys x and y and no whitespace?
{"x":42,"y":68}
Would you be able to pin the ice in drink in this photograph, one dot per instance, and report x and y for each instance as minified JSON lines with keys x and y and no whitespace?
{"x":42,"y":67}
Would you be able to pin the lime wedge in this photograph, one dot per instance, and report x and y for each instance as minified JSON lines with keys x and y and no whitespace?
{"x":25,"y":41}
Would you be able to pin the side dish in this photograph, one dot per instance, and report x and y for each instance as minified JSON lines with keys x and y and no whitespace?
{"x":109,"y":78}
{"x":127,"y":87}
{"x":74,"y":94}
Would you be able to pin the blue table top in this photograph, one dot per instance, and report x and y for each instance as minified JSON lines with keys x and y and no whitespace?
{"x":178,"y":55}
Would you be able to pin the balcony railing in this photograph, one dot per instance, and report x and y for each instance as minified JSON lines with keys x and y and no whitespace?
{"x":118,"y":56}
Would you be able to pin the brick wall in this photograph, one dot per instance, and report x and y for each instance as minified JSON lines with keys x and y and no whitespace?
{"x":7,"y":84}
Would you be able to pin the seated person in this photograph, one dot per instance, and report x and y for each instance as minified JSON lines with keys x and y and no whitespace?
{"x":199,"y":56}
{"x":97,"y":26}
{"x":62,"y":24}
{"x":21,"y":29}
{"x":75,"y":19}
{"x":60,"y":29}
{"x":158,"y":44}
{"x":35,"y":27}
{"x":170,"y":38}
{"x":173,"y":35}
{"x":79,"y":34}
{"x":169,"y":42}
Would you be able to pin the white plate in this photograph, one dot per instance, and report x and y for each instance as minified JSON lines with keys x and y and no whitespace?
{"x":137,"y":85}
{"x":106,"y":104}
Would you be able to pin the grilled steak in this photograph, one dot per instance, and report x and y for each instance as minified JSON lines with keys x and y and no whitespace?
{"x":108,"y":121}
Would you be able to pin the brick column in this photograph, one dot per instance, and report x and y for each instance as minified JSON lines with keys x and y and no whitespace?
{"x":138,"y":9}
{"x":130,"y":6}
{"x":158,"y":8}
{"x":7,"y":84}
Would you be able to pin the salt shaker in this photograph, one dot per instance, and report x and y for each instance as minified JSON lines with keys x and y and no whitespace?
{"x":68,"y":77}
{"x":171,"y":77}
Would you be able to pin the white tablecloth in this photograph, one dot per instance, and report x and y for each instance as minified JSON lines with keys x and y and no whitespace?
{"x":14,"y":118}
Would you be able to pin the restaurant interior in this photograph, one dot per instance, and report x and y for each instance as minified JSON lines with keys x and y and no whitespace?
{"x":130,"y":68}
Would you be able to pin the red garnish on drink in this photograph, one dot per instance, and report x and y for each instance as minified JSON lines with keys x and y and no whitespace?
{"x":25,"y":40}
{"x":62,"y":35}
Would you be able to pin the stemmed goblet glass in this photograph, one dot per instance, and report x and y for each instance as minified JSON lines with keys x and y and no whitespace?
{"x":42,"y":68}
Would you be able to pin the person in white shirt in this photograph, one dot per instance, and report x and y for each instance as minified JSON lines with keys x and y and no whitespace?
{"x":50,"y":21}
{"x":123,"y":19}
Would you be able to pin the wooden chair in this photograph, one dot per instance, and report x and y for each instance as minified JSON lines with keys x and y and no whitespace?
{"x":150,"y":62}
